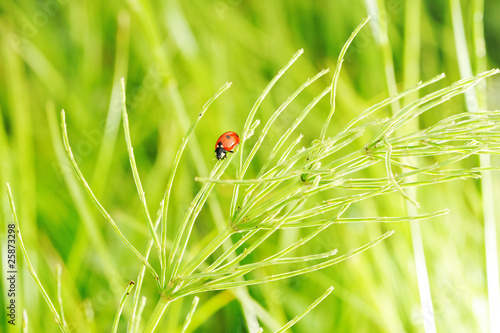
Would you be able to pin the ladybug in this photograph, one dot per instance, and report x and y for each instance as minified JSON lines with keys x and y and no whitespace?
{"x":225,"y":144}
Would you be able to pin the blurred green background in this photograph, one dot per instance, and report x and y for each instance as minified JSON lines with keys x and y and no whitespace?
{"x":175,"y":55}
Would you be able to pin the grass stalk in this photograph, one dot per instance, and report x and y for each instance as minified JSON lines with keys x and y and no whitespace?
{"x":390,"y":175}
{"x":225,"y":282}
{"x":229,"y":252}
{"x":103,"y":211}
{"x":139,"y":314}
{"x":160,"y":308}
{"x":206,"y":252}
{"x":175,"y":166}
{"x":59,"y":294}
{"x":190,"y":314}
{"x":488,"y":194}
{"x":116,"y":321}
{"x":135,"y":172}
{"x":275,"y":115}
{"x":55,"y":314}
{"x":135,"y":317}
{"x":248,"y":127}
{"x":219,"y":285}
{"x":292,"y":322}
{"x":425,"y":103}
{"x":336,"y":75}
{"x":292,"y":128}
{"x":78,"y":197}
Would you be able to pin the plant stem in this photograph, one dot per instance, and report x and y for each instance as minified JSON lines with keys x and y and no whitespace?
{"x":157,"y":314}
{"x":59,"y":293}
{"x":57,"y":318}
{"x":309,"y":308}
{"x":336,"y":74}
{"x":103,"y":211}
{"x":121,"y":305}
{"x":487,"y":192}
{"x":166,"y":198}
{"x":135,"y":172}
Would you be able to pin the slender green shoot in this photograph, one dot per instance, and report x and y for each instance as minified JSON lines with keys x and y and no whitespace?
{"x":116,"y":321}
{"x":227,"y":282}
{"x":55,"y":314}
{"x":135,"y":318}
{"x":390,"y":175}
{"x":139,"y":314}
{"x":103,"y":211}
{"x":249,"y":127}
{"x":309,"y":308}
{"x":184,"y":232}
{"x":477,"y":100}
{"x":190,"y":314}
{"x":135,"y":172}
{"x":322,"y":223}
{"x":389,"y":100}
{"x":260,"y":99}
{"x":59,"y":293}
{"x":426,"y":103}
{"x":275,"y":115}
{"x":175,"y":166}
{"x":292,"y":128}
{"x":157,"y":314}
{"x":336,"y":74}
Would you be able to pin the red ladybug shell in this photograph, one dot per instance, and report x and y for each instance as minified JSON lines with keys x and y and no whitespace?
{"x":226,"y":143}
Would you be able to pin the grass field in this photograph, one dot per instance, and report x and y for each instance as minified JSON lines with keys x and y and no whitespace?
{"x":344,"y":186}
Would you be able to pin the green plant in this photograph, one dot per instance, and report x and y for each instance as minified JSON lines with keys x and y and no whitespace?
{"x":284,"y":192}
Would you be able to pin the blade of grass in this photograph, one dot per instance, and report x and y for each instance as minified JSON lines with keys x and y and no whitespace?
{"x":275,"y":115}
{"x":139,"y":314}
{"x":135,"y":318}
{"x":52,"y":308}
{"x":78,"y":196}
{"x":103,"y":211}
{"x":419,"y":255}
{"x":135,"y":172}
{"x":59,"y":294}
{"x":290,"y":130}
{"x":427,"y":102}
{"x":336,"y":74}
{"x":309,"y":308}
{"x":391,"y":99}
{"x":390,"y":175}
{"x":172,"y":175}
{"x":190,"y":315}
{"x":110,"y":135}
{"x":215,"y":286}
{"x":114,"y":328}
{"x":228,"y":253}
{"x":377,"y":219}
{"x":184,"y":232}
{"x":250,"y":121}
{"x":488,"y":194}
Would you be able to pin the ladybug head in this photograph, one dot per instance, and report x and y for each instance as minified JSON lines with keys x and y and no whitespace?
{"x":220,"y":152}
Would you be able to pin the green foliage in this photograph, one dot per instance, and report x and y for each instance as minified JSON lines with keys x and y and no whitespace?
{"x":323,"y":165}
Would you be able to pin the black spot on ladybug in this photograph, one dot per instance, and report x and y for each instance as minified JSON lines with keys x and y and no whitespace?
{"x":228,"y":137}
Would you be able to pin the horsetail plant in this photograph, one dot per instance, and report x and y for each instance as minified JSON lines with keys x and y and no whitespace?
{"x":284,"y":192}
